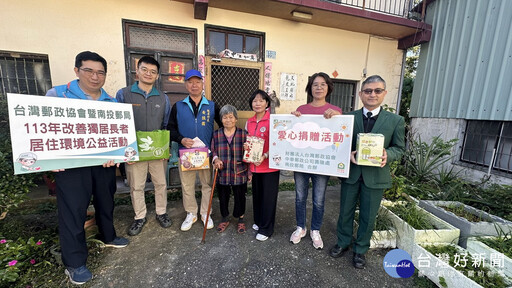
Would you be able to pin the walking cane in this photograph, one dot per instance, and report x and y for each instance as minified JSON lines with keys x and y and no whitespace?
{"x":209,"y":205}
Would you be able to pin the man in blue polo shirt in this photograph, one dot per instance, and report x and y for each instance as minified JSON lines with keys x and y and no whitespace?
{"x":151,"y":111}
{"x":75,"y":186}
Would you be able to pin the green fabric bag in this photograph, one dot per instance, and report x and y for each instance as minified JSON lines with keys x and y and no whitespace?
{"x":153,"y":144}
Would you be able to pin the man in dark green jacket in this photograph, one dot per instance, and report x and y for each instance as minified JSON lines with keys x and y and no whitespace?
{"x":367,"y":183}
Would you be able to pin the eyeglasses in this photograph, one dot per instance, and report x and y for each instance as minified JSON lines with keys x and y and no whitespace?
{"x":323,"y":85}
{"x":377,"y":91}
{"x":89,"y":72}
{"x":146,"y":70}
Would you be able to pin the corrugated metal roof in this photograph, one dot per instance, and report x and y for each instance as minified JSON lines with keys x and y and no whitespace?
{"x":465,"y":71}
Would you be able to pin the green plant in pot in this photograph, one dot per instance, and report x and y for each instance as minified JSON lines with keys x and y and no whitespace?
{"x":410,"y":214}
{"x":502,"y":243}
{"x":383,"y":222}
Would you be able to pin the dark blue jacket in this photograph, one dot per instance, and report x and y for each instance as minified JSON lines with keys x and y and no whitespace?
{"x":189,"y":126}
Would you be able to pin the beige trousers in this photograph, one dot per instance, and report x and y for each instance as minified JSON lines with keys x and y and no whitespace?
{"x":188,"y":185}
{"x":137,"y":174}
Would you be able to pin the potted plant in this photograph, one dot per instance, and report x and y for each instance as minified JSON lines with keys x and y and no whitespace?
{"x":493,"y":248}
{"x":384,"y":232}
{"x":470,"y":221}
{"x":415,"y":225}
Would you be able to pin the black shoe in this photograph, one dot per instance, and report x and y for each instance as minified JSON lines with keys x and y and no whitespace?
{"x":164,"y":220}
{"x":337,"y":251}
{"x":136,"y":226}
{"x":359,"y":261}
{"x":118,"y":242}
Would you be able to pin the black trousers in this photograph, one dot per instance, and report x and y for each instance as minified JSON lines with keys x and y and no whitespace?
{"x":74,"y":190}
{"x":265,"y":187}
{"x":239,"y":192}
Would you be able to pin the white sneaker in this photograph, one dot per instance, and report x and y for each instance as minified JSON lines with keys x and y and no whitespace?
{"x":187,"y":224}
{"x":297,"y":235}
{"x":261,"y":237}
{"x":317,"y":239}
{"x":210,"y":221}
{"x":255,"y":227}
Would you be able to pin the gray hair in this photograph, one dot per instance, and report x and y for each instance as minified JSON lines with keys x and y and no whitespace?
{"x":228,"y":109}
{"x":373,"y":79}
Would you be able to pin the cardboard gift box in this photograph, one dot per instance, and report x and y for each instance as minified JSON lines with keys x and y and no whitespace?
{"x":369,"y":149}
{"x":194,"y":159}
{"x":255,"y":151}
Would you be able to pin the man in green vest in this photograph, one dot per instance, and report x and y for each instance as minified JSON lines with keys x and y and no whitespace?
{"x":366,"y":184}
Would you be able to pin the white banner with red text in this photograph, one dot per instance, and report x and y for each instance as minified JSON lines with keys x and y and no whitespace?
{"x":311,"y":144}
{"x":49,"y":133}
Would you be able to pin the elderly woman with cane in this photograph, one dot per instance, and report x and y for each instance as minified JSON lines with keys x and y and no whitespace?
{"x":227,"y":150}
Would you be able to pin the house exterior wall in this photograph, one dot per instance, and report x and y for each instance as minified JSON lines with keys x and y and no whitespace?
{"x":464,"y":74}
{"x":464,"y":71}
{"x":61,"y":29}
{"x":448,"y":129}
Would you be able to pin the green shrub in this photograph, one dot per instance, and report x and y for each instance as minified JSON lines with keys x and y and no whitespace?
{"x":13,"y":188}
{"x":460,"y":211}
{"x":502,"y":243}
{"x":495,"y":199}
{"x":398,"y":183}
{"x":19,"y":257}
{"x":32,"y":221}
{"x":412,"y":215}
{"x":424,"y":160}
{"x":405,"y":102}
{"x":383,"y":221}
{"x":425,"y":190}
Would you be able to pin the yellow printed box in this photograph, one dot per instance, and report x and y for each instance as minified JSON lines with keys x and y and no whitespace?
{"x":369,"y":149}
{"x":194,"y":159}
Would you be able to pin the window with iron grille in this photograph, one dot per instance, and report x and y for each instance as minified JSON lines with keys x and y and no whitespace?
{"x":238,"y":41}
{"x":175,"y":48}
{"x":24,"y":73}
{"x":234,"y":85}
{"x":485,"y":139}
{"x":343,"y":95}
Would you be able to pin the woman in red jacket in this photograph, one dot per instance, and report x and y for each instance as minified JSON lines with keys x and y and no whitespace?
{"x":265,"y":181}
